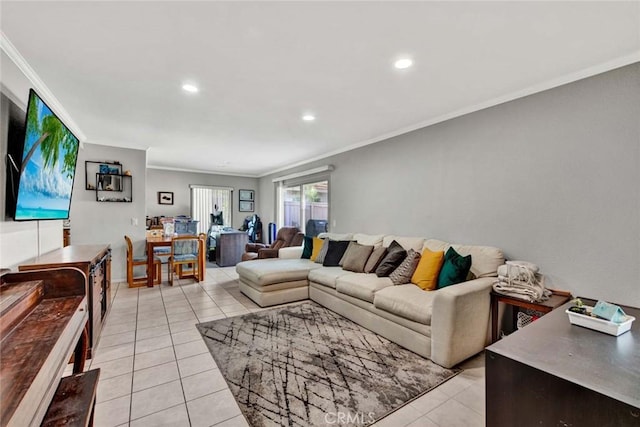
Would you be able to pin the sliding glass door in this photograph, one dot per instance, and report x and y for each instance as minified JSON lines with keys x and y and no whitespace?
{"x":306,"y":206}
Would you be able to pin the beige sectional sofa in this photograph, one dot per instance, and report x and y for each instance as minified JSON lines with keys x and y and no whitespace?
{"x":447,"y":325}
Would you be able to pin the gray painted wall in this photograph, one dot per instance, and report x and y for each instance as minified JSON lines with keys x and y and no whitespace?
{"x":178,"y":182}
{"x":107,"y":222}
{"x":552,"y":178}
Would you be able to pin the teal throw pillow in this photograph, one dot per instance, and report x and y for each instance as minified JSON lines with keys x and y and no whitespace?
{"x":454,"y":269}
{"x":308,"y":248}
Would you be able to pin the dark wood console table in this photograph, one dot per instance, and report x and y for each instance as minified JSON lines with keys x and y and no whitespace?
{"x":230,"y":247}
{"x":95,"y":262}
{"x":552,"y":373}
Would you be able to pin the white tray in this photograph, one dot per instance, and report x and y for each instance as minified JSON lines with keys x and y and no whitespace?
{"x":599,"y":324}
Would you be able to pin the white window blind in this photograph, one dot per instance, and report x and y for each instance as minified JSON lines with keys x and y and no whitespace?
{"x":203,"y":200}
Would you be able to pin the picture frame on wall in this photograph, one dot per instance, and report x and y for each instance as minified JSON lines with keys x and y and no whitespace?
{"x":247,"y":196}
{"x":246,"y":206}
{"x":165,"y":197}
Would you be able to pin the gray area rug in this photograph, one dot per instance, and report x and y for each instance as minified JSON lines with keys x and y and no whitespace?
{"x":304,"y":365}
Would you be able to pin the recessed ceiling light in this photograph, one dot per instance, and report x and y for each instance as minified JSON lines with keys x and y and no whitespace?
{"x":190,"y":88}
{"x":308,"y":117}
{"x":403,"y":63}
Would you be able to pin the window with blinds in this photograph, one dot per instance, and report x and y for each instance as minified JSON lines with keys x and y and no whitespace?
{"x":203,"y":202}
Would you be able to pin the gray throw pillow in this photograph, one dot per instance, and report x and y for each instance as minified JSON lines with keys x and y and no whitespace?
{"x":374,"y":259}
{"x":323,"y":251}
{"x":351,"y":243}
{"x":403,"y":273}
{"x":356,"y":257}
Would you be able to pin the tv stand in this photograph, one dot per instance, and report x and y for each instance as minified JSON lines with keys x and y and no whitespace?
{"x":95,"y":262}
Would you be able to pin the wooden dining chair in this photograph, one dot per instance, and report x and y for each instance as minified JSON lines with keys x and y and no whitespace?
{"x":185,"y":258}
{"x":140,"y":260}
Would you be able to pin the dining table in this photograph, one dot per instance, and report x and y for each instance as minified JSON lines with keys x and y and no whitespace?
{"x":154,"y":241}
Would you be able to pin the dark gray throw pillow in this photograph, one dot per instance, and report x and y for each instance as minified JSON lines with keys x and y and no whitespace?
{"x":394,"y":257}
{"x":335,"y":252}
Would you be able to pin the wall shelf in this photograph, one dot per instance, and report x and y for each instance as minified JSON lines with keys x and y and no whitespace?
{"x":114,"y":188}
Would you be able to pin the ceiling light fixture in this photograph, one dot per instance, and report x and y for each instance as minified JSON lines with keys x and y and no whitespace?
{"x":190,"y":88}
{"x":403,"y":63}
{"x":308,"y":117}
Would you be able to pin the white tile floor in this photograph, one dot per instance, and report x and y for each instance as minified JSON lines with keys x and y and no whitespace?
{"x":157,"y":371}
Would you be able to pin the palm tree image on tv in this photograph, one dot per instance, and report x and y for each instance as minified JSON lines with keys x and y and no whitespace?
{"x":48,"y":165}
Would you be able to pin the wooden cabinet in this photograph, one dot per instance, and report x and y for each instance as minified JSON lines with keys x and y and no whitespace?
{"x":95,"y":262}
{"x":230,"y":247}
{"x":552,"y":373}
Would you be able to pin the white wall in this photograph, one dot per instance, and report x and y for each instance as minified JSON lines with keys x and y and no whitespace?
{"x":178,"y":182}
{"x":552,"y":178}
{"x":95,"y":222}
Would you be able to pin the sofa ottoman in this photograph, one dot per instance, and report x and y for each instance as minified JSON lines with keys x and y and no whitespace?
{"x":275,"y":281}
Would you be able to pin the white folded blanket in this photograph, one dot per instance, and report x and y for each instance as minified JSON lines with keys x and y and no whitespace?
{"x":521,"y":280}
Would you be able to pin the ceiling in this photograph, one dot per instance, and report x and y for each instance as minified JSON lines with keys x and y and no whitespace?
{"x":117,"y":69}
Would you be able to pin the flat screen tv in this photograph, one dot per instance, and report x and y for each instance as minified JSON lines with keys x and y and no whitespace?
{"x":47,"y":166}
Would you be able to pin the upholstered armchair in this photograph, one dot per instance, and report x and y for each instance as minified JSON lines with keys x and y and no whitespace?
{"x":287,"y":236}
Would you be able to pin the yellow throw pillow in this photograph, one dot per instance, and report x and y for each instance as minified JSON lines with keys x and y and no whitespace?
{"x":317,"y":245}
{"x":426,"y":274}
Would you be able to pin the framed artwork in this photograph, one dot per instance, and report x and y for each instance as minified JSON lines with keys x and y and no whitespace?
{"x":247,"y":196}
{"x":165,"y":197}
{"x":246,"y":206}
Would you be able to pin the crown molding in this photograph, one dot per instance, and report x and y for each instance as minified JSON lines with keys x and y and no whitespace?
{"x":208,"y":172}
{"x":40,"y":87}
{"x":619,"y":62}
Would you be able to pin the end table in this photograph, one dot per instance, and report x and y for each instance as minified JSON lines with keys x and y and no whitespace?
{"x":556,"y":299}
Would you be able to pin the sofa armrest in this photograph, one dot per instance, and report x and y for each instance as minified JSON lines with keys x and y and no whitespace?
{"x":460,"y":321}
{"x":254,"y":247}
{"x":290,"y":252}
{"x":267,"y":253}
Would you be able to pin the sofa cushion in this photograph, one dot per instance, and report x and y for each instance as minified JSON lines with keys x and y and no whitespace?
{"x":336,"y":236}
{"x":275,"y":270}
{"x":485,"y":260}
{"x":426,"y":274}
{"x":407,"y":243}
{"x":308,"y":247}
{"x":369,"y":239}
{"x":356,"y":257}
{"x":335,"y":252}
{"x":403,"y":273}
{"x":374,"y":259}
{"x":327,"y":276}
{"x":394,"y":257}
{"x":361,"y":285}
{"x":455,"y":269}
{"x":408,"y":301}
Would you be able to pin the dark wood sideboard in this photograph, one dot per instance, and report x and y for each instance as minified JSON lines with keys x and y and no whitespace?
{"x":552,"y":373}
{"x":230,"y":246}
{"x":95,"y":262}
{"x":43,"y":320}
